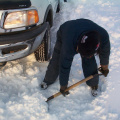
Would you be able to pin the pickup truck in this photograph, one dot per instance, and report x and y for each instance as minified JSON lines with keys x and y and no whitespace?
{"x":25,"y":28}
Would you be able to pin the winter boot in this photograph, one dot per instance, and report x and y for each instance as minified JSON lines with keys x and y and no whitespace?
{"x":94,"y":90}
{"x":44,"y":85}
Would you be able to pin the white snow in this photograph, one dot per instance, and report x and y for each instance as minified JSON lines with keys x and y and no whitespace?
{"x":21,"y":97}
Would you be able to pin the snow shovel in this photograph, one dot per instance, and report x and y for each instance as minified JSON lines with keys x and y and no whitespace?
{"x":72,"y":86}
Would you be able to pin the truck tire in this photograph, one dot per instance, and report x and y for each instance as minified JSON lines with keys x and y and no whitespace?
{"x":43,"y":52}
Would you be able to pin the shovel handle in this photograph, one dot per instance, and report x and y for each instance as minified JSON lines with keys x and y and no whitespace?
{"x":73,"y":86}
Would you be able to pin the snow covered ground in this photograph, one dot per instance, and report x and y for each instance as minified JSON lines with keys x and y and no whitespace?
{"x":22,"y":99}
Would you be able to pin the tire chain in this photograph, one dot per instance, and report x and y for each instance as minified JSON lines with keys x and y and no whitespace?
{"x":40,"y":52}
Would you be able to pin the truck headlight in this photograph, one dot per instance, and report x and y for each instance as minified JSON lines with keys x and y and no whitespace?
{"x":21,"y":19}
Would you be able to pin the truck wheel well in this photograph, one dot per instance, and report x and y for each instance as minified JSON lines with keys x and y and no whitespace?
{"x":50,"y":18}
{"x":49,"y":15}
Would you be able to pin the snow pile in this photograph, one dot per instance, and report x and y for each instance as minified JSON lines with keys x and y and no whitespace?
{"x":20,"y":94}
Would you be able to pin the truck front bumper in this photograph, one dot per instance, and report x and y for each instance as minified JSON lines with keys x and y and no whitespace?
{"x":16,"y":45}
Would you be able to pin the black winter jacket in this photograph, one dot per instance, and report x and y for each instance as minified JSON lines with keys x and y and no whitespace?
{"x":69,"y":32}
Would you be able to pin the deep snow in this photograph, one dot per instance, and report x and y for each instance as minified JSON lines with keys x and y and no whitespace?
{"x":21,"y":97}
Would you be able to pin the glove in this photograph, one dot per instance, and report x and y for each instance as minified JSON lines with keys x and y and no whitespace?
{"x":62,"y":90}
{"x":104,"y":70}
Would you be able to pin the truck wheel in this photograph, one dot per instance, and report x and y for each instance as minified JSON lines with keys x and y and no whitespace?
{"x":43,"y":52}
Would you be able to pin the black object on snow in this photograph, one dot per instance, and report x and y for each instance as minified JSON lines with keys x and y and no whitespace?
{"x":14,"y":4}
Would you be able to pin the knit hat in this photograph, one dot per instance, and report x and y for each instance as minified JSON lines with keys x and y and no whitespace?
{"x":89,"y":43}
